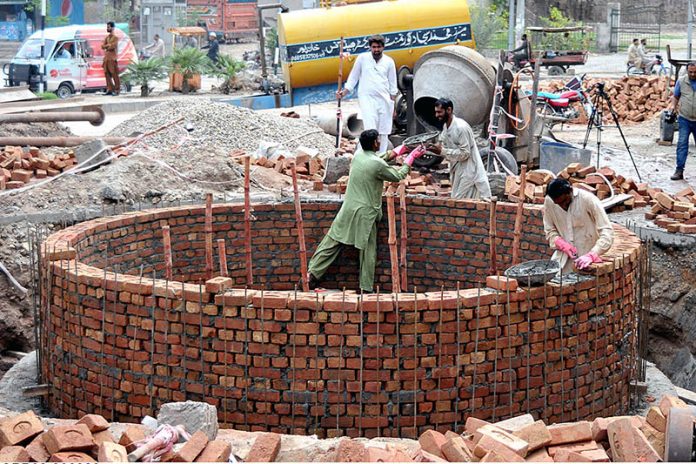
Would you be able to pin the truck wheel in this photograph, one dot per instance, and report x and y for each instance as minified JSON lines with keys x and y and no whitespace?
{"x":64,"y":91}
{"x":556,"y":71}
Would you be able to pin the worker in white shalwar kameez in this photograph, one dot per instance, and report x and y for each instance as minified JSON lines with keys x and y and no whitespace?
{"x":375,"y":73}
{"x":458,"y":145}
{"x":576,"y":226}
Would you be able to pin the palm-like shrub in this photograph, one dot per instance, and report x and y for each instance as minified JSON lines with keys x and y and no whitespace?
{"x":144,"y":72}
{"x":188,"y":62}
{"x":227,"y":68}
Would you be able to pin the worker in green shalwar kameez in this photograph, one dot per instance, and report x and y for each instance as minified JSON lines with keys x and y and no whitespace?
{"x":356,"y":222}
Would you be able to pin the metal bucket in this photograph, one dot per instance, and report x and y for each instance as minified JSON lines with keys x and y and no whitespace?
{"x":536,"y":272}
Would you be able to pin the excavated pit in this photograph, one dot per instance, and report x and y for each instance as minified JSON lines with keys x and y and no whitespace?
{"x":119,"y":340}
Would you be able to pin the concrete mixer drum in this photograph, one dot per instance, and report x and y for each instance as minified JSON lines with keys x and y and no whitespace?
{"x":458,"y":73}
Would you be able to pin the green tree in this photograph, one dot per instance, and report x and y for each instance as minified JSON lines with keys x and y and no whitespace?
{"x":227,"y":68}
{"x":144,"y":72}
{"x":562,"y":41}
{"x":189,"y":62}
{"x":487,"y":23}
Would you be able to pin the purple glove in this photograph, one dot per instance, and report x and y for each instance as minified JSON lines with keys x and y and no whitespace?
{"x":415,"y":154}
{"x":584,"y":261}
{"x":565,"y":247}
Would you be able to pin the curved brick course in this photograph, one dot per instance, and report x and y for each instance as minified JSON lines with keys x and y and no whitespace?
{"x":119,"y":340}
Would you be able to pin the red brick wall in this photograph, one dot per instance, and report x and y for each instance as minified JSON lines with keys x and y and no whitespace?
{"x":298,"y":363}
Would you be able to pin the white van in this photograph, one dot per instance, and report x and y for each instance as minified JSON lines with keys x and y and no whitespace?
{"x":73,"y":57}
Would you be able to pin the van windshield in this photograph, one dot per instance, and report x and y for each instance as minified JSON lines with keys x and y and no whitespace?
{"x":31,"y":50}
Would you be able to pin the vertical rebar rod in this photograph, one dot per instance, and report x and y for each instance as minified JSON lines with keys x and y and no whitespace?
{"x":208,"y":236}
{"x":404,"y":236}
{"x":151,"y":380}
{"x":200,"y":331}
{"x":415,"y":361}
{"x":476,"y":345}
{"x":184,"y":341}
{"x":102,"y":358}
{"x":518,"y":217}
{"x":113,"y":345}
{"x":596,"y":327}
{"x":362,"y":362}
{"x":560,"y":307}
{"x":379,"y":361}
{"x":546,"y":352}
{"x":264,"y":357}
{"x":247,"y":224}
{"x":167,"y":244}
{"x":529,"y":335}
{"x":340,"y":360}
{"x":225,"y":326}
{"x":300,"y":230}
{"x":439,"y":358}
{"x":293,"y":359}
{"x":398,"y":365}
{"x":457,"y":383}
{"x":316,"y":367}
{"x":509,"y":337}
{"x":222,"y":257}
{"x":247,"y":380}
{"x":497,"y":335}
{"x":492,"y":237}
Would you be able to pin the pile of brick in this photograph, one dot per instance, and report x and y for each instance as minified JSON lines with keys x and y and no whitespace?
{"x":634,"y":98}
{"x":586,"y":178}
{"x":416,"y":184}
{"x":676,"y":213}
{"x":18,"y":166}
{"x":308,"y":164}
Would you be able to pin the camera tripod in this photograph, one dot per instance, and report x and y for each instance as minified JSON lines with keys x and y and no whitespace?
{"x":596,"y":121}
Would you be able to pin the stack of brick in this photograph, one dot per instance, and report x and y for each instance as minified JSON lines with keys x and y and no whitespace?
{"x":24,"y":439}
{"x":634,"y":98}
{"x":586,"y":178}
{"x":18,"y":166}
{"x":416,"y":184}
{"x":308,"y":164}
{"x":676,"y":213}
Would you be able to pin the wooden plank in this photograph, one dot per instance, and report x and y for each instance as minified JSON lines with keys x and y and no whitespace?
{"x":686,"y":395}
{"x":36,"y":390}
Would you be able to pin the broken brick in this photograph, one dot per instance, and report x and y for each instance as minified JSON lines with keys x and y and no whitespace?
{"x":577,"y":447}
{"x":473,"y":424}
{"x":347,"y":451}
{"x":17,"y":429}
{"x":597,"y":455}
{"x":265,"y":448}
{"x":501,"y":283}
{"x":432,"y":441}
{"x":668,"y":402}
{"x":570,"y":432}
{"x":68,"y":438}
{"x":94,"y":422}
{"x":540,"y":455}
{"x":71,"y":456}
{"x":37,"y":450}
{"x":218,"y":284}
{"x":192,"y":448}
{"x":629,"y":444}
{"x":495,"y":439}
{"x":515,"y":423}
{"x":215,"y":451}
{"x":132,"y":434}
{"x":112,"y":452}
{"x":455,"y":450}
{"x":570,"y":456}
{"x":656,"y":419}
{"x":14,"y":454}
{"x":536,"y":434}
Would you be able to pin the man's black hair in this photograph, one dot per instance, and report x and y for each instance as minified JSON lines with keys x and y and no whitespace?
{"x":558,"y":187}
{"x":111,"y":23}
{"x":691,"y":64}
{"x":444,"y":103}
{"x":368,"y":139}
{"x":376,"y":38}
{"x":635,"y":40}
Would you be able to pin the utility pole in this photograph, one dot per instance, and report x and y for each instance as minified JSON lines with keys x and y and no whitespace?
{"x":511,"y":24}
{"x":521,"y":19}
{"x":690,"y":26}
{"x":42,"y":64}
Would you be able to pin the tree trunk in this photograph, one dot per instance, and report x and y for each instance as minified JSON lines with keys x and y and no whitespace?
{"x":185,"y":85}
{"x":144,"y":90}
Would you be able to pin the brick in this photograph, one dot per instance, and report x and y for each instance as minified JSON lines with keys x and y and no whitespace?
{"x":215,"y":451}
{"x":68,"y":438}
{"x":629,"y":444}
{"x":687,"y":228}
{"x":570,"y":432}
{"x":655,"y":437}
{"x":37,"y":451}
{"x":515,"y":423}
{"x":668,"y":402}
{"x":599,"y":426}
{"x":495,"y":439}
{"x":71,"y":456}
{"x":656,"y":419}
{"x":432,"y":441}
{"x":347,"y":451}
{"x":112,"y":452}
{"x":577,"y":447}
{"x":14,"y":454}
{"x":664,"y":200}
{"x":218,"y":284}
{"x":17,"y":429}
{"x":473,"y":424}
{"x":536,"y":434}
{"x":501,"y":283}
{"x":190,"y":450}
{"x":570,"y":456}
{"x":265,"y":448}
{"x":103,"y":436}
{"x":94,"y":422}
{"x":21,"y":175}
{"x":598,"y":455}
{"x":455,"y":450}
{"x":132,"y":434}
{"x":429,"y":457}
{"x":271,"y":300}
{"x":387,"y":454}
{"x":540,"y":455}
{"x":492,"y":456}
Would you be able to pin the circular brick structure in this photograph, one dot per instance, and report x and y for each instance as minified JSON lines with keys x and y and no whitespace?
{"x":119,"y":340}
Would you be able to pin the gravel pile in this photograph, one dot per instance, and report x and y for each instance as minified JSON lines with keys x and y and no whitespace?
{"x":224,"y":127}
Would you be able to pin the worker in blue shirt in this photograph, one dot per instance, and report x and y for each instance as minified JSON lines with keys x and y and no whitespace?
{"x":684,"y":96}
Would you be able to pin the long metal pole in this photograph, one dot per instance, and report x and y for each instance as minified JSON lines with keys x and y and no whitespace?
{"x":511,"y":24}
{"x":521,"y":19}
{"x":689,"y":28}
{"x":42,"y":68}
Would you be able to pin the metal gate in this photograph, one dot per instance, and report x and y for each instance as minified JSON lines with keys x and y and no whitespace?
{"x":635,"y":21}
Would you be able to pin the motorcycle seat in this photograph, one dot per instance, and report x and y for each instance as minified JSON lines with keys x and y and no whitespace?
{"x":549,"y":96}
{"x":559,"y":102}
{"x":569,"y":94}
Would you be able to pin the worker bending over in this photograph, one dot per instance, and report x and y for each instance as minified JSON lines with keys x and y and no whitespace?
{"x":457,"y":144}
{"x":376,"y":74}
{"x":576,"y":226}
{"x":356,"y":222}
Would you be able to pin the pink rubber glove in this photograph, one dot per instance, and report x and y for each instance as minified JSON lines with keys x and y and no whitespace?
{"x":565,"y":247}
{"x":400,"y":150}
{"x":584,"y":261}
{"x":415,"y":154}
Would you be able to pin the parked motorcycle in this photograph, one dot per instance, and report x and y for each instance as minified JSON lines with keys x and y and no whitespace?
{"x":560,"y":107}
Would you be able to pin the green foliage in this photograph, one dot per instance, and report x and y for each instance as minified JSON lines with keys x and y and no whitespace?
{"x":189,"y":61}
{"x":51,"y":21}
{"x":47,"y":96}
{"x":487,"y":23}
{"x":271,"y":40}
{"x":56,"y":21}
{"x":560,"y":41}
{"x":118,"y":15}
{"x":187,"y":17}
{"x":146,"y":71}
{"x":227,"y":68}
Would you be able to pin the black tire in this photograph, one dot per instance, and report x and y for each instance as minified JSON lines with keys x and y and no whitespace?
{"x":634,"y":71}
{"x":543,"y":110}
{"x":556,"y":71}
{"x":503,"y":155}
{"x":427,"y":161}
{"x":64,"y":90}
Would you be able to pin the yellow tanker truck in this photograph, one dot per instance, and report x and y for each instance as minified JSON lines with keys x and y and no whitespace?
{"x":309,"y":40}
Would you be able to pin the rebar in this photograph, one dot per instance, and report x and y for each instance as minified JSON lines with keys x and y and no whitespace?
{"x":457,"y":382}
{"x":208,"y":231}
{"x":247,"y":224}
{"x":404,"y":236}
{"x":300,"y":230}
{"x":476,"y":344}
{"x":492,"y":237}
{"x":362,"y":361}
